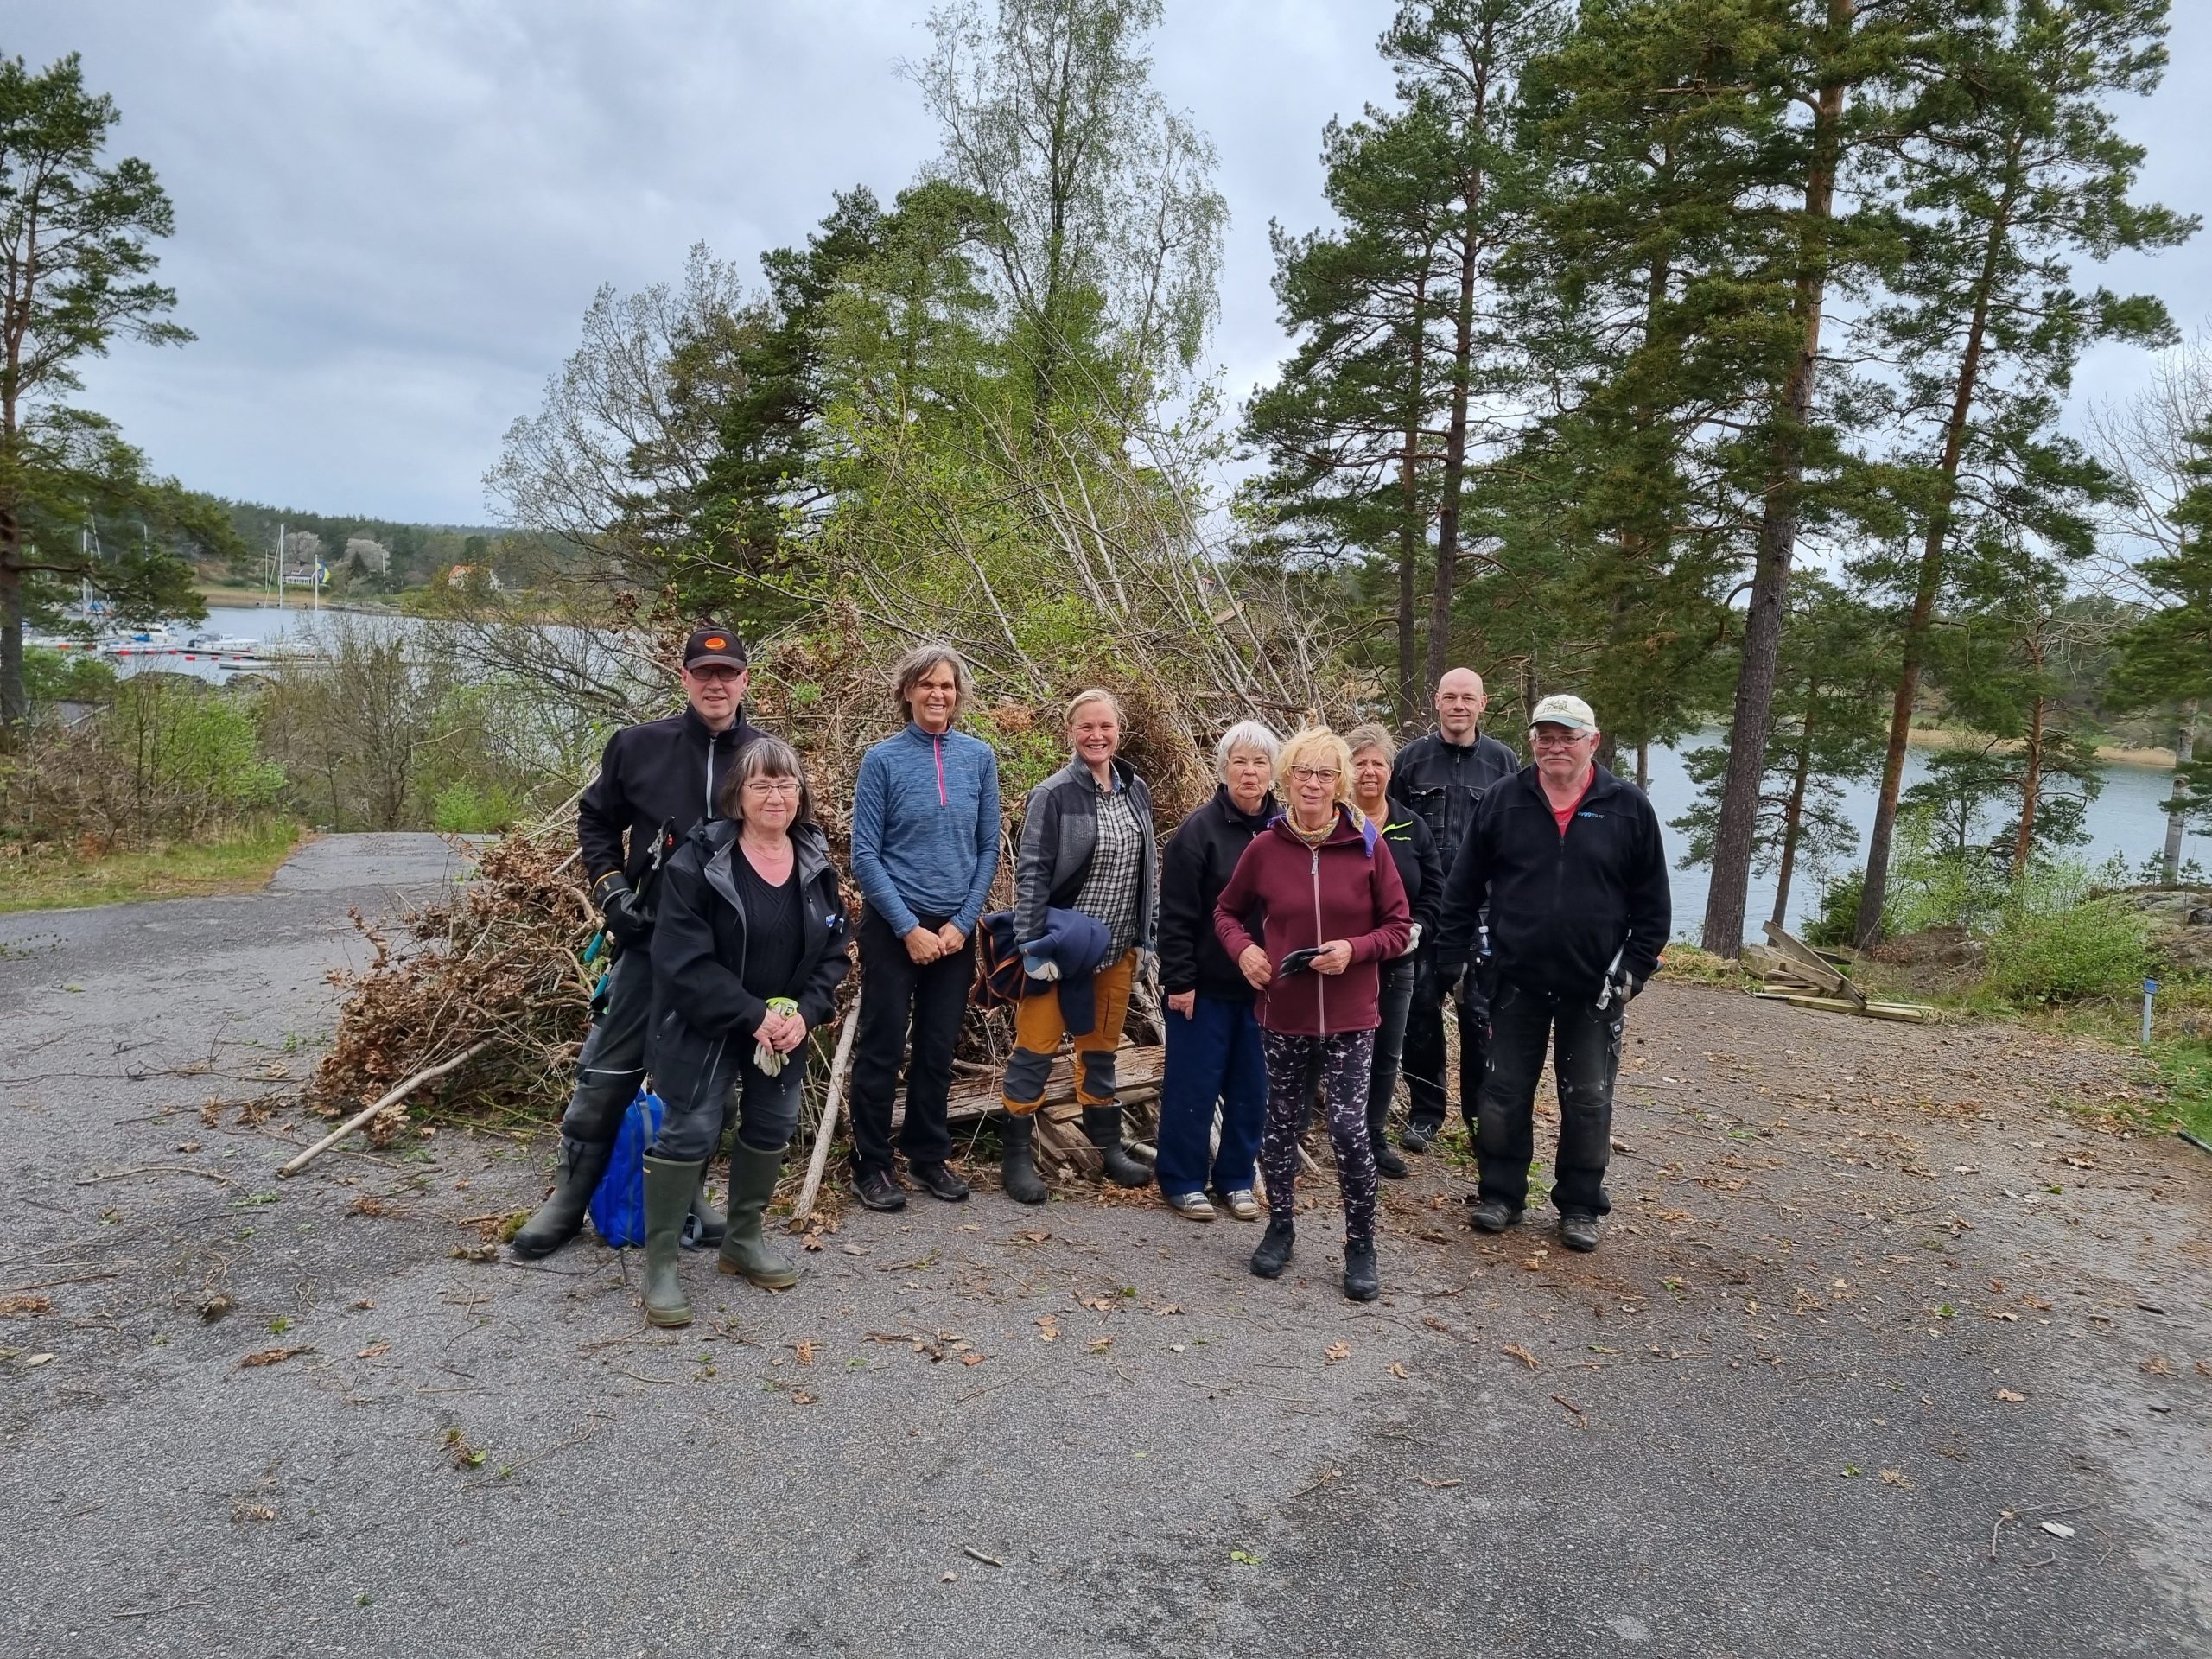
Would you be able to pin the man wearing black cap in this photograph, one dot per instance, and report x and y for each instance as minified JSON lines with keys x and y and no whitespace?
{"x":657,"y":772}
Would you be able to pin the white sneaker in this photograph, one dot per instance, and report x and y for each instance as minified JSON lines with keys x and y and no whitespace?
{"x":1192,"y":1207}
{"x":1244,"y":1203}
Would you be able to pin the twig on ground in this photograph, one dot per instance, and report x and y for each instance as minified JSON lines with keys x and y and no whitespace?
{"x":363,"y":1118}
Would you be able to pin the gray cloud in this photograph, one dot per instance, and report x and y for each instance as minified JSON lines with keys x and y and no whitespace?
{"x":391,"y":216}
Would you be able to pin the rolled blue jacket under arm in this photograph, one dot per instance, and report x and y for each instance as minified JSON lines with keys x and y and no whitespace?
{"x":925,"y":827}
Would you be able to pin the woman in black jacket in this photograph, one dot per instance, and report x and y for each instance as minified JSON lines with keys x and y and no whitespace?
{"x":748,"y":946}
{"x":1421,"y":870}
{"x":1213,"y":1041}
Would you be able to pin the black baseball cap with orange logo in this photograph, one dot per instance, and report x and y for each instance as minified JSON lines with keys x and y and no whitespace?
{"x":714,"y":645}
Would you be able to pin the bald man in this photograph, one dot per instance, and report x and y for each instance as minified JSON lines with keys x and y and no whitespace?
{"x":1440,"y":775}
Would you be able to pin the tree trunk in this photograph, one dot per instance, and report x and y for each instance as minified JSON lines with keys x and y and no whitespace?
{"x":1874,"y":892}
{"x":15,"y":703}
{"x":1413,"y":526}
{"x":2184,"y":751}
{"x":1455,"y":454}
{"x":2031,"y":788}
{"x":1643,"y":766}
{"x":1793,"y":817}
{"x":1753,"y":716}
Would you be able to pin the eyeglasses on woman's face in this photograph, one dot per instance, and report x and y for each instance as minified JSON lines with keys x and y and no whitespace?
{"x":1314,"y":774}
{"x":769,"y":788}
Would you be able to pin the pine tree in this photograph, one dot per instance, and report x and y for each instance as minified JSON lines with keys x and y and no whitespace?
{"x":2013,"y":168}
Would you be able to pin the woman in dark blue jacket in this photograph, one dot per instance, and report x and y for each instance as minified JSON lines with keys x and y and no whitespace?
{"x":749,"y":942}
{"x":1420,"y":871}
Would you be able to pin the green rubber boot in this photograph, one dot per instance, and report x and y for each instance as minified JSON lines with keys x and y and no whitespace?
{"x":745,"y":1252}
{"x":668,"y":1187}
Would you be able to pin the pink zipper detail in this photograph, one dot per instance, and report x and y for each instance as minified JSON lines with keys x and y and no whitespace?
{"x":936,"y":748}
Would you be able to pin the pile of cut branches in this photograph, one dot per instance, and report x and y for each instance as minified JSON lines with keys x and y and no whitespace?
{"x":499,"y":965}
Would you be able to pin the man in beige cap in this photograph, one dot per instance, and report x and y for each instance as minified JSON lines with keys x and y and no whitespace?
{"x":1568,"y":860}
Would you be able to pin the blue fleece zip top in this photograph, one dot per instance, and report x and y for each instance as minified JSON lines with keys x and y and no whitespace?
{"x":925,"y":827}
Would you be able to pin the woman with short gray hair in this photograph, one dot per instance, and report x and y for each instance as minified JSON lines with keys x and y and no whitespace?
{"x":1213,"y":1042}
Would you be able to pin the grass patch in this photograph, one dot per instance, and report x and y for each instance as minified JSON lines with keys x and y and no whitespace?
{"x":241,"y":861}
{"x":1685,"y":964}
{"x":2185,"y":1070}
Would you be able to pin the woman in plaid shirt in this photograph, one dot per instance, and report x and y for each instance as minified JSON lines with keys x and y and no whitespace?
{"x":1087,"y":847}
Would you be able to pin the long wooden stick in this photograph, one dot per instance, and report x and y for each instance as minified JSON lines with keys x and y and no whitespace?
{"x":361,"y":1118}
{"x":840,"y":1065}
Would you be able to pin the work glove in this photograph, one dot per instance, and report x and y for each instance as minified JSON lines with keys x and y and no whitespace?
{"x":1413,"y":941}
{"x":770,"y":1061}
{"x":625,"y":919}
{"x":1039,"y":967}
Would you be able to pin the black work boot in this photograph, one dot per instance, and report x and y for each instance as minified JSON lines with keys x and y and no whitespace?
{"x":1578,"y":1230}
{"x":745,"y":1251}
{"x":1102,"y":1126}
{"x":1492,"y":1215}
{"x":1274,"y":1254}
{"x":703,"y":1228}
{"x":1018,"y":1160}
{"x":1362,"y":1283}
{"x":670,"y":1184}
{"x":576,"y":1177}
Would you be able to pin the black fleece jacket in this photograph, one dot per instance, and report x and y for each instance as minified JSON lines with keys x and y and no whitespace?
{"x":1200,"y":858}
{"x":1561,"y":904}
{"x":699,"y":936}
{"x":1442,"y":781}
{"x":656,"y":770}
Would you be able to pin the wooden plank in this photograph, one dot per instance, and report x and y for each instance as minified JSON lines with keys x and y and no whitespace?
{"x":1813,"y":966}
{"x":1918,"y":1014}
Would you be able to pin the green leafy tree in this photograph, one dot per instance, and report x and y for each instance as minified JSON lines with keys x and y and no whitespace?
{"x":2168,"y":654}
{"x":76,"y":271}
{"x":2013,"y":168}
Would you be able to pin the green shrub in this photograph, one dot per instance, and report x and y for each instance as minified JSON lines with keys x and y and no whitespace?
{"x":51,"y":676}
{"x":1837,"y":922}
{"x":463,"y":808}
{"x":2064,"y":952}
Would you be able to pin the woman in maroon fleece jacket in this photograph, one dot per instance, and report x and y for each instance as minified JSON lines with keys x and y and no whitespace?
{"x":1318,"y":887}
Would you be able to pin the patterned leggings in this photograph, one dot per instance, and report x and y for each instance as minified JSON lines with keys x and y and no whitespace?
{"x":1345,"y":1060}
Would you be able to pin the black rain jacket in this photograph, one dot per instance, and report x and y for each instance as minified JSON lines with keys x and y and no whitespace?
{"x":1560,"y":905}
{"x":701,"y":1008}
{"x":1200,"y":858}
{"x":656,"y":770}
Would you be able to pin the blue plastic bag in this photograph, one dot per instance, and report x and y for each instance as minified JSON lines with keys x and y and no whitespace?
{"x":618,"y":1205}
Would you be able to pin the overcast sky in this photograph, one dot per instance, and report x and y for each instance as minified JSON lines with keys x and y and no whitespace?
{"x":391,"y":214}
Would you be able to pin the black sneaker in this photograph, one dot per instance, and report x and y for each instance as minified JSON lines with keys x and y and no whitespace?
{"x":1417,"y":1137}
{"x":875,"y":1189}
{"x":1492,"y":1216}
{"x":1578,"y":1232}
{"x":1388,"y":1164}
{"x":1361,"y":1283}
{"x":940,"y":1182}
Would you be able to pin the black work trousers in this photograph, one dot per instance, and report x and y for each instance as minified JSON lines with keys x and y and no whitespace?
{"x":908,"y":1012}
{"x":1585,"y":1056}
{"x":1422,"y":1059}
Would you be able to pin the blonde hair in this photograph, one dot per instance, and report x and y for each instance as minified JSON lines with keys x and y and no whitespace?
{"x":1310,"y":746}
{"x":1098,"y":694}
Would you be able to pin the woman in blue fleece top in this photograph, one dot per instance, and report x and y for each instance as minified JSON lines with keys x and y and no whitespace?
{"x":925,"y":846}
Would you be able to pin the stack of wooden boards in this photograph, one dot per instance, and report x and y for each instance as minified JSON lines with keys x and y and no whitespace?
{"x":1791,"y":971}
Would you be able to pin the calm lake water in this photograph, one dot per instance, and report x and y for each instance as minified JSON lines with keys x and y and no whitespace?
{"x":2124,"y":819}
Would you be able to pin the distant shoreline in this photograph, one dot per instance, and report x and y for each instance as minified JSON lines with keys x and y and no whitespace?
{"x":250,"y":599}
{"x":2117,"y":754}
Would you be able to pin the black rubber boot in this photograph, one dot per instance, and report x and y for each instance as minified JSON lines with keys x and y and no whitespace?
{"x":1361,"y":1282}
{"x":1018,"y":1160}
{"x":745,"y":1251}
{"x":703,"y":1228}
{"x":1274,"y":1254}
{"x":1102,"y":1126}
{"x":576,"y":1177}
{"x":669,"y":1186}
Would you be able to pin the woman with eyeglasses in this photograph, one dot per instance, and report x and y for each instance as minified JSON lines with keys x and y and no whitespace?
{"x":1315,"y":907}
{"x":748,"y":947}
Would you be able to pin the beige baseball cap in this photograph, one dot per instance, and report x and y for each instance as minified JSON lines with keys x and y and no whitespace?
{"x":1560,"y":709}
